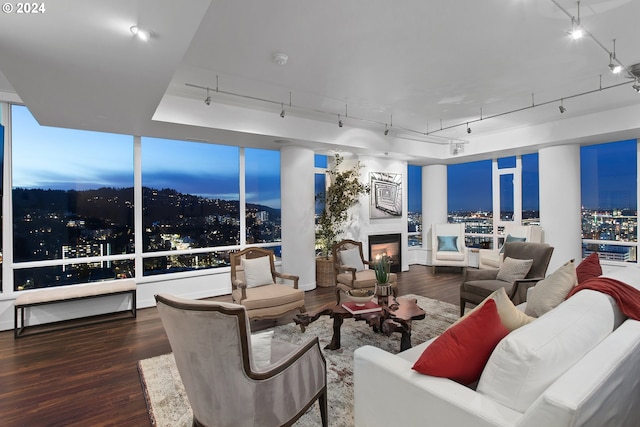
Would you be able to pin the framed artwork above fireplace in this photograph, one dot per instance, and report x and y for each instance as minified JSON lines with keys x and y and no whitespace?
{"x":386,"y":195}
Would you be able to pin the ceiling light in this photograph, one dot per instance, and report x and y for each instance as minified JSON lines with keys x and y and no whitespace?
{"x":561,"y":107}
{"x":386,"y":130}
{"x":207,"y":100}
{"x":636,"y":86}
{"x":339,"y":121}
{"x":468,"y":128}
{"x":140,"y":33}
{"x":282,"y":112}
{"x":576,"y":32}
{"x":615,"y":68}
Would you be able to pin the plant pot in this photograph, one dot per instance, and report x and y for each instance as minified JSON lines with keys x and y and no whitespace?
{"x":325,"y":274}
{"x":383,"y":289}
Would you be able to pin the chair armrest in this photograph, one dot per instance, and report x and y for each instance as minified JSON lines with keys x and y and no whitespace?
{"x":520,"y":288}
{"x":475,"y":274}
{"x":239,"y":284}
{"x":289,"y":277}
{"x":346,"y":269}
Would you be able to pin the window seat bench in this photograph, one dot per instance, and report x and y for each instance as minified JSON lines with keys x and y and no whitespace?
{"x":39,"y":297}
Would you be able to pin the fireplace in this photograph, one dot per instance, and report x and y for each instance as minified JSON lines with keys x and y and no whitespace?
{"x":386,"y":244}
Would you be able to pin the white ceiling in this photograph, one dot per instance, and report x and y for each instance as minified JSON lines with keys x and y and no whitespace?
{"x":412,"y":65}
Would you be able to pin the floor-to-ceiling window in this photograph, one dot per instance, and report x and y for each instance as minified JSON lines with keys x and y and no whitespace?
{"x":73,"y":204}
{"x":414,"y":214}
{"x":469,"y":195}
{"x":320,"y":189}
{"x":530,"y":190}
{"x":608,"y":174}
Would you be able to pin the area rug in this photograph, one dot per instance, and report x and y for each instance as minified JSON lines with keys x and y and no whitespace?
{"x":167,"y":400}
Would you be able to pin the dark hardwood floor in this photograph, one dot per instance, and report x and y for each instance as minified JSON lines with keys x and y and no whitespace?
{"x":88,"y":376}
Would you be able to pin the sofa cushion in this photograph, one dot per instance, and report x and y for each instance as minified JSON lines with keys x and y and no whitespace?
{"x":351,"y":258}
{"x":551,"y":291}
{"x":511,"y":317}
{"x":514,"y":269}
{"x":589,"y":268}
{"x":257,"y":271}
{"x":448,"y":243}
{"x":461,"y":352}
{"x":532,"y":357}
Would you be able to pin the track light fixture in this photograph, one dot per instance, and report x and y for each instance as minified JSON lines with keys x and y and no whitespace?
{"x":561,"y":107}
{"x":636,"y":86}
{"x":615,"y":68}
{"x":207,"y":100}
{"x":576,"y":31}
{"x":386,"y":130}
{"x":468,"y":128}
{"x":282,"y":112}
{"x":339,"y":121}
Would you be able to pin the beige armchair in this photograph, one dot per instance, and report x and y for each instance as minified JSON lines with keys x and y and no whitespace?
{"x":479,"y":284}
{"x":224,"y":383}
{"x":254,"y":285}
{"x":492,"y":258}
{"x":352,"y":270}
{"x":448,"y":246}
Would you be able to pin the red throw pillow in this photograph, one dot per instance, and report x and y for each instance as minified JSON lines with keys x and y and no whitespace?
{"x":461,"y":352}
{"x":589,"y":268}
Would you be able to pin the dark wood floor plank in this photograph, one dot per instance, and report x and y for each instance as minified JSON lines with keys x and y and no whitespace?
{"x":88,"y":376}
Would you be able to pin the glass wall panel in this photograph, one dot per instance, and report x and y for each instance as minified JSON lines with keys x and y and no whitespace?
{"x":608,"y":174}
{"x":262,"y":181}
{"x":190,"y":195}
{"x":469,"y":193}
{"x":507,"y":162}
{"x":72,"y":193}
{"x":530,"y":190}
{"x":506,"y":197}
{"x":414,"y":215}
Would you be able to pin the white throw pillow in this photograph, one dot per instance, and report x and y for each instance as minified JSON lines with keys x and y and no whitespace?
{"x":514,"y":269}
{"x":257,"y":271}
{"x":531,"y":358}
{"x":351,"y":258}
{"x":551,"y":291}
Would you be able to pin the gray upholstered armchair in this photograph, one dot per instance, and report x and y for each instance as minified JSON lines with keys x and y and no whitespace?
{"x":254,"y":285}
{"x":479,"y":284}
{"x":225,"y":385}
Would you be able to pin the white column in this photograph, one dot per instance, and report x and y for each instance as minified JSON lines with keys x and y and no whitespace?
{"x":298,"y":213}
{"x":560,"y":206}
{"x":434,"y":201}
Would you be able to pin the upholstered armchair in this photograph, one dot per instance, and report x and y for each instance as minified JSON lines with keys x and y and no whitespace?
{"x":492,"y":258}
{"x":448,"y":246}
{"x":353,"y":271}
{"x":514,"y":276}
{"x":254,"y":285}
{"x":225,"y":383}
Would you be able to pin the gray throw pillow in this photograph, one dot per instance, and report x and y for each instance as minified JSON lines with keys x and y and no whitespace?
{"x":514,"y":269}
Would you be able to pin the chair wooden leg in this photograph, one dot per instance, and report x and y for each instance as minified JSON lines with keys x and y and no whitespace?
{"x":303,"y":310}
{"x":462,"y":304}
{"x":322,"y":401}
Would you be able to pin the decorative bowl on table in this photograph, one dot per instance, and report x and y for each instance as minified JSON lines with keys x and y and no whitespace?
{"x":360,"y":296}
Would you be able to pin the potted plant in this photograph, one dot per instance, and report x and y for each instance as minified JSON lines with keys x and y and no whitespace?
{"x":341,"y":195}
{"x":382,"y":269}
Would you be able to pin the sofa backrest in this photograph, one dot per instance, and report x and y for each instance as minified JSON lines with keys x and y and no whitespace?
{"x":531,"y":358}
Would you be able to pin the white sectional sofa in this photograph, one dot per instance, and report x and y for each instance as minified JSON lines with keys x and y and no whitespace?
{"x":576,"y":365}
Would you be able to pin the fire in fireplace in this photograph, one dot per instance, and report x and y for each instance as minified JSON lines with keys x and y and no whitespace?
{"x":389,"y":245}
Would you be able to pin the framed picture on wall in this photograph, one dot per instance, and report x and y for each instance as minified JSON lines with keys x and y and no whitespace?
{"x":386,"y":195}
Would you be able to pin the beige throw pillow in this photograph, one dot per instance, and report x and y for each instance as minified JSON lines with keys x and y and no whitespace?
{"x":510,"y":316}
{"x":257,"y":271}
{"x":514,"y":269}
{"x":552,"y":290}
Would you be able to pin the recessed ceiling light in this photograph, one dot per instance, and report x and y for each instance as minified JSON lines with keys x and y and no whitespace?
{"x":280,"y":58}
{"x":143,"y":35}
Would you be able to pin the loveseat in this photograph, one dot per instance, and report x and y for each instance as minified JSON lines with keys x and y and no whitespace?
{"x":576,"y":365}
